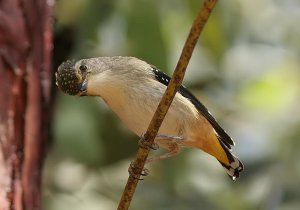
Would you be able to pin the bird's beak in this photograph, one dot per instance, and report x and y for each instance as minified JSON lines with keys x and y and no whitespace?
{"x":83,"y":88}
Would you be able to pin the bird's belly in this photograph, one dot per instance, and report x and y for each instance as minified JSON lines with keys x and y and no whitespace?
{"x":137,"y":118}
{"x":140,"y":126}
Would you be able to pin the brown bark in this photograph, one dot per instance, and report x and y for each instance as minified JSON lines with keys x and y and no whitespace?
{"x":25,"y":79}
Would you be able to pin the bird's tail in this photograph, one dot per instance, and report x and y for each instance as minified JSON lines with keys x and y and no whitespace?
{"x":234,"y":167}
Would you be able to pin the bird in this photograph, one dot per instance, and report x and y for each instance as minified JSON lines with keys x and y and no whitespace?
{"x":132,"y":88}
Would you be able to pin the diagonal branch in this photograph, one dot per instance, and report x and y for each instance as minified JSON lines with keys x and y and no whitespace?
{"x":167,"y":99}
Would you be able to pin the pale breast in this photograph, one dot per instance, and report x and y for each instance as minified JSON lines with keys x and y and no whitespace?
{"x":136,"y":105}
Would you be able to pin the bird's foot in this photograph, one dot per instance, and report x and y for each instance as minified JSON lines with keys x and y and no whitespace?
{"x":145,"y":144}
{"x":136,"y":175}
{"x":169,"y":137}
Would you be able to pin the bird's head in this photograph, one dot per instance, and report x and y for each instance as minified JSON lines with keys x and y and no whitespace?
{"x":73,"y":77}
{"x":102,"y":75}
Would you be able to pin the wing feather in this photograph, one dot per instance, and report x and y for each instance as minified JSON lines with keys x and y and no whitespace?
{"x":223,"y":136}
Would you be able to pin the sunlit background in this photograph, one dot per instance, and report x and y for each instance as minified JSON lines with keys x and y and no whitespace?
{"x":245,"y":69}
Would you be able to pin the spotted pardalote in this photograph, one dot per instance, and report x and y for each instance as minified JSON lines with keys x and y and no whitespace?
{"x":133,"y":89}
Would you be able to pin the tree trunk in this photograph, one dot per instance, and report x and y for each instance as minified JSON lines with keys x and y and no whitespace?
{"x":25,"y":102}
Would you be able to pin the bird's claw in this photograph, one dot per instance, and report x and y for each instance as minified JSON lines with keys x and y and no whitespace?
{"x":132,"y":171}
{"x":145,"y":144}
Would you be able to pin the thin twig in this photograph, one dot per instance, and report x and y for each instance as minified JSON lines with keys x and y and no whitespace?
{"x":166,"y":100}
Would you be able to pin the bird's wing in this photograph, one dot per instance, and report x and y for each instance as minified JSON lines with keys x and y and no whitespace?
{"x":223,"y":136}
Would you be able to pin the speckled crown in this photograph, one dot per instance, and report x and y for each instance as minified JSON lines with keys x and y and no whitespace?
{"x":68,"y":79}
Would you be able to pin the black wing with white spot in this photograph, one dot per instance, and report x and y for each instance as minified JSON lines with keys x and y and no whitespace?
{"x":165,"y":79}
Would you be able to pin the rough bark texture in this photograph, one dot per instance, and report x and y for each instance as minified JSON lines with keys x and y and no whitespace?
{"x":25,"y":80}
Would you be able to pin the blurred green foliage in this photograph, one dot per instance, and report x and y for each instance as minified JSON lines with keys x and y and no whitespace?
{"x":246,"y":69}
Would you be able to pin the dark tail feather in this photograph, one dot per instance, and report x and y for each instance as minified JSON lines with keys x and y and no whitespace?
{"x":233,"y":170}
{"x":235,"y":167}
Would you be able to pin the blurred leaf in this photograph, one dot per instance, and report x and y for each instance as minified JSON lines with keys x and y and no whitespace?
{"x":272,"y":92}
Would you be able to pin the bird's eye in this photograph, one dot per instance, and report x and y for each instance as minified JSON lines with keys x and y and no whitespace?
{"x":83,"y":68}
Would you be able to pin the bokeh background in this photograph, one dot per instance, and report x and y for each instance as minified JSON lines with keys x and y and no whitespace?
{"x":245,"y":69}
